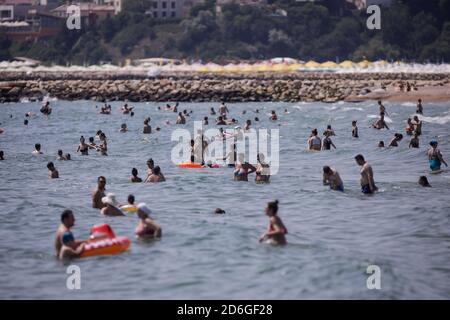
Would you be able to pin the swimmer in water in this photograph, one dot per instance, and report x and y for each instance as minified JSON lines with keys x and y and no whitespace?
{"x":52,"y":172}
{"x":67,"y":222}
{"x":92,"y":144}
{"x":147,"y":128}
{"x":409,"y":127}
{"x":435,"y":157}
{"x":150,"y":167}
{"x":69,"y":248}
{"x":60,"y":155}
{"x":181,"y":119}
{"x":37,"y":149}
{"x":248,"y":125}
{"x":380,"y":123}
{"x":326,"y":142}
{"x":330,"y":130}
{"x":414,"y":142}
{"x":157,"y":176}
{"x":417,"y":123}
{"x":147,"y":228}
{"x":205,"y":121}
{"x":83,"y":147}
{"x":134,"y":176}
{"x":67,"y":156}
{"x":223,"y":109}
{"x":314,"y":142}
{"x":273,"y":116}
{"x":99,"y":193}
{"x":2,"y":155}
{"x":355,"y":133}
{"x":103,"y":147}
{"x":212,"y":112}
{"x":419,"y":109}
{"x":262,"y":170}
{"x":395,"y":140}
{"x":423,"y":181}
{"x":123,"y":128}
{"x":243,"y":169}
{"x":276,"y":232}
{"x":126,"y":109}
{"x":111,"y":206}
{"x":367,"y":181}
{"x":381,"y":144}
{"x":220,"y":121}
{"x":25,"y":122}
{"x":332,"y":178}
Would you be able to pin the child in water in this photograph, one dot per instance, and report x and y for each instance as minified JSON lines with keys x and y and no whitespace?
{"x":276,"y":231}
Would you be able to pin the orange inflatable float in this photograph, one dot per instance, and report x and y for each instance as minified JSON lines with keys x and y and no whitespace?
{"x":103,"y":241}
{"x":191,"y":165}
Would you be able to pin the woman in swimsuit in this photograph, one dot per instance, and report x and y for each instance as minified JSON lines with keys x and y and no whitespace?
{"x":414,"y":142}
{"x":83,"y":147}
{"x":243,"y":169}
{"x":276,"y":231}
{"x":326,"y":142}
{"x":435,"y":157}
{"x":314,"y":142}
{"x":103,"y":147}
{"x":147,"y":228}
{"x":262,"y":170}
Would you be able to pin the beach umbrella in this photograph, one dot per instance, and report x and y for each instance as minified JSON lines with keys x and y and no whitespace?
{"x":329,"y":64}
{"x":347,"y":64}
{"x":312,"y":64}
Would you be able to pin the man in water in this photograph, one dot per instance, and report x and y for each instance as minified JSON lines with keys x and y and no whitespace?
{"x":67,"y":222}
{"x":367,"y":180}
{"x":326,"y":142}
{"x":60,"y":155}
{"x":435,"y":157}
{"x":354,"y":129}
{"x":37,"y":149}
{"x":395,"y":140}
{"x":414,"y":142}
{"x":147,"y":128}
{"x":70,"y":249}
{"x":331,"y":177}
{"x":134,"y":176}
{"x":382,"y":108}
{"x":423,"y":181}
{"x":419,"y":109}
{"x":52,"y":172}
{"x":99,"y":193}
{"x":380,"y":123}
{"x":156,"y":176}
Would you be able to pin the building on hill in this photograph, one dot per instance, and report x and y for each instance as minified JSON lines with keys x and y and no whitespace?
{"x":171,"y":9}
{"x":91,"y":13}
{"x":221,"y":3}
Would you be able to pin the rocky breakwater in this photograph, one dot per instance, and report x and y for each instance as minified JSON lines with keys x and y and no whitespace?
{"x":329,"y":88}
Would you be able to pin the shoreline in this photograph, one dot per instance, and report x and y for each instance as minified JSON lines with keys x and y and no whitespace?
{"x":206,"y":87}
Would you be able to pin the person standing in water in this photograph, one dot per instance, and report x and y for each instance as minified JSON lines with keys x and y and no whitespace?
{"x":262,"y":170}
{"x":60,"y":156}
{"x":2,"y":155}
{"x":395,"y":140}
{"x":326,"y":142}
{"x":419,"y":109}
{"x":52,"y":172}
{"x":380,"y":123}
{"x":367,"y":181}
{"x":103,"y":147}
{"x":382,"y":108}
{"x":181,"y":119}
{"x":273,"y":116}
{"x":332,"y":178}
{"x":409,"y":127}
{"x":276,"y":231}
{"x":150,"y":167}
{"x":435,"y":157}
{"x":67,"y":222}
{"x":243,"y":169}
{"x":99,"y":193}
{"x":417,"y":123}
{"x":147,"y":228}
{"x":223,"y":110}
{"x":156,"y":176}
{"x":134,"y":176}
{"x":314,"y":142}
{"x":355,"y":133}
{"x":83,"y":147}
{"x":414,"y":142}
{"x":147,"y":128}
{"x":69,"y":248}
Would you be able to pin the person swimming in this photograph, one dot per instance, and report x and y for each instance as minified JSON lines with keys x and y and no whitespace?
{"x":147,"y":128}
{"x":147,"y":228}
{"x":212,"y":112}
{"x":435,"y":157}
{"x":423,"y":181}
{"x":395,"y":140}
{"x":314,"y":142}
{"x":262,"y":170}
{"x":220,"y":121}
{"x":276,"y":231}
{"x":330,"y":130}
{"x":2,"y":155}
{"x":52,"y":172}
{"x":367,"y":180}
{"x":111,"y":206}
{"x":332,"y":178}
{"x":37,"y":149}
{"x":381,"y":144}
{"x":60,"y":155}
{"x":83,"y":147}
{"x":414,"y":142}
{"x":181,"y":119}
{"x":205,"y":121}
{"x":134,"y":176}
{"x":273,"y":116}
{"x":123,"y":128}
{"x":382,"y":108}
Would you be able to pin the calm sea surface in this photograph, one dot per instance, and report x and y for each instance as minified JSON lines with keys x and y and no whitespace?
{"x":333,"y":237}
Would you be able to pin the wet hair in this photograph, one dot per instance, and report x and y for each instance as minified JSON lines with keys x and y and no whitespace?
{"x":101,"y":178}
{"x":150,"y":161}
{"x":50,"y":165}
{"x":205,"y":118}
{"x":68,"y":156}
{"x":381,"y":144}
{"x":354,"y":122}
{"x":399,"y":136}
{"x":37,"y":146}
{"x":132,"y":113}
{"x":329,"y":126}
{"x":157,"y":170}
{"x":60,"y":152}
{"x":423,"y":181}
{"x":99,"y":132}
{"x":1,"y":153}
{"x":359,"y":157}
{"x":256,"y":119}
{"x":219,"y":211}
{"x":25,"y":122}
{"x":326,"y":169}
{"x":249,"y":122}
{"x":273,"y":206}
{"x":314,"y":132}
{"x":134,"y":172}
{"x":433,"y":143}
{"x":131,"y":199}
{"x":66,"y":214}
{"x":91,"y":139}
